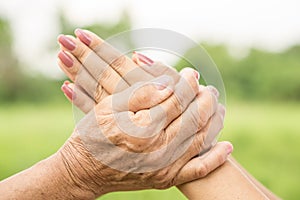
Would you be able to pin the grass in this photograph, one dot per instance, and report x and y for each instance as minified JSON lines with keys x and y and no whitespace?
{"x":265,"y":136}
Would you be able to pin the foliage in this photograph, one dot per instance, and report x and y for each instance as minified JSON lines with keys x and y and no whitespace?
{"x":15,"y":85}
{"x":103,"y":30}
{"x":261,"y":74}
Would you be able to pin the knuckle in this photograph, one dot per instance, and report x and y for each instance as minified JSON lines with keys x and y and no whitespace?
{"x":202,"y":118}
{"x":99,"y":93}
{"x":199,"y":142}
{"x":162,"y":179}
{"x":75,"y":69}
{"x":119,"y":62}
{"x":202,"y":171}
{"x":175,"y":104}
{"x":143,"y":96}
{"x":194,"y":117}
{"x":106,"y":75}
{"x":81,"y":52}
{"x":140,"y":95}
{"x":161,"y":175}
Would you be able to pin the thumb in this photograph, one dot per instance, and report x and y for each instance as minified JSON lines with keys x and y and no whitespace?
{"x":143,"y":95}
{"x":200,"y":166}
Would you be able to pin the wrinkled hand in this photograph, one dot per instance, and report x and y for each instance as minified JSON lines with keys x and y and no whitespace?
{"x":102,"y":155}
{"x":98,"y":69}
{"x":190,"y":114}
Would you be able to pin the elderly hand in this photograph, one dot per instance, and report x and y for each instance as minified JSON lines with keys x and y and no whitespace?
{"x":99,"y":70}
{"x":96,"y":68}
{"x":103,"y":155}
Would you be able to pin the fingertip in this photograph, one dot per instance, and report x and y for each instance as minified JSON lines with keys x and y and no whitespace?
{"x":59,"y":36}
{"x":228,"y":146}
{"x":65,"y":58}
{"x":213,"y":90}
{"x":189,"y":75}
{"x":83,"y":36}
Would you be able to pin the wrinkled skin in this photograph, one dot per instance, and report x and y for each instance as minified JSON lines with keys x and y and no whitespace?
{"x":145,"y":103}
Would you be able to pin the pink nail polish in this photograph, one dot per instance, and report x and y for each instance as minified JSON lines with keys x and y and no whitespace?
{"x":144,"y":59}
{"x":67,"y":90}
{"x":229,"y":149}
{"x":66,"y":42}
{"x":196,"y":74}
{"x":65,"y":59}
{"x":85,"y":38}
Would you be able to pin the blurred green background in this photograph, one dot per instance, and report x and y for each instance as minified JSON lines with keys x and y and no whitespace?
{"x":262,"y":121}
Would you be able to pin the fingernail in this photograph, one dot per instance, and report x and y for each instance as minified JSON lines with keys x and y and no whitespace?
{"x":67,"y":90}
{"x":213,"y":90}
{"x":144,"y":59}
{"x":65,"y":59}
{"x":67,"y":42}
{"x":229,"y":149}
{"x":197,"y":75}
{"x":162,"y":82}
{"x":85,"y":38}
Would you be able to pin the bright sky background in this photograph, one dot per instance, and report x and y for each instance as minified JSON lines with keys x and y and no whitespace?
{"x":268,"y":24}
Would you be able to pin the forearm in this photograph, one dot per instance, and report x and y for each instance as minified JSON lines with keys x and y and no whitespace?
{"x":226,"y":182}
{"x":44,"y":180}
{"x":260,"y":186}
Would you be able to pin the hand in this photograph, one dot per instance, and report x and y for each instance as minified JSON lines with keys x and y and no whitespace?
{"x":99,"y":70}
{"x":100,"y":83}
{"x":88,"y":157}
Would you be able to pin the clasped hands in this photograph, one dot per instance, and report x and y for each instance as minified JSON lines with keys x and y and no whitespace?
{"x":145,"y":124}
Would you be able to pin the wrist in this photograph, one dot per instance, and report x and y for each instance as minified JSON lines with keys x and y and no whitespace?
{"x":74,"y":163}
{"x":47,"y":179}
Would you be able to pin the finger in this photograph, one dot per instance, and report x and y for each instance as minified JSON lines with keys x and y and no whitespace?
{"x":164,"y":113}
{"x":77,"y":97}
{"x":214,"y":90}
{"x":77,"y":73}
{"x":215,"y":126}
{"x":154,"y":68}
{"x":203,"y":137}
{"x":185,"y":91}
{"x":122,"y":64}
{"x":135,"y":60}
{"x":142,"y":95}
{"x":99,"y":69}
{"x":196,"y":118}
{"x":141,"y":59}
{"x":199,"y":167}
{"x":66,"y":63}
{"x":158,"y":68}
